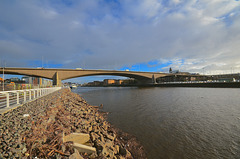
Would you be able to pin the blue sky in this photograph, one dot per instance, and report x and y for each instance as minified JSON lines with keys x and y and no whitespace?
{"x":151,"y":66}
{"x":139,"y":35}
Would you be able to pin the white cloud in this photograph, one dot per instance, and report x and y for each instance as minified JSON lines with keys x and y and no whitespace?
{"x":49,"y":14}
{"x":175,"y":1}
{"x":96,"y":34}
{"x":150,"y":7}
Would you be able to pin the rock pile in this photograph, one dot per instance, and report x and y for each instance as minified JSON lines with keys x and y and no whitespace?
{"x":37,"y":129}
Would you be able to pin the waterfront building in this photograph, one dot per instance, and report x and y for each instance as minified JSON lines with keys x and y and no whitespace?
{"x":97,"y":83}
{"x":15,"y":79}
{"x":25,"y":79}
{"x":129,"y":81}
{"x":46,"y":82}
{"x":181,"y":77}
{"x":109,"y":81}
{"x":226,"y":77}
{"x":119,"y":82}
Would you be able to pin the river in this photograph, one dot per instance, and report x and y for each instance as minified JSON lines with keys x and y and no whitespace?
{"x":174,"y":123}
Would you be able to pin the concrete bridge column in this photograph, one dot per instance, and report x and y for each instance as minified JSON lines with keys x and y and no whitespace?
{"x":154,"y":79}
{"x":56,"y":80}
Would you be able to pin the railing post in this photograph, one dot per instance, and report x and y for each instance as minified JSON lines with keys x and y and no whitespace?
{"x":34,"y":94}
{"x":7,"y":99}
{"x":17,"y":97}
{"x":30,"y":95}
{"x":24,"y":93}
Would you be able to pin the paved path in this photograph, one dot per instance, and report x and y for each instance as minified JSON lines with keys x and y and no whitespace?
{"x":6,"y":109}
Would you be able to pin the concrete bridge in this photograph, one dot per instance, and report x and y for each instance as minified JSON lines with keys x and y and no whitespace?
{"x":62,"y":74}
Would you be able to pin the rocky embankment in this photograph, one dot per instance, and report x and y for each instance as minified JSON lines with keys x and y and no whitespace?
{"x":37,"y":129}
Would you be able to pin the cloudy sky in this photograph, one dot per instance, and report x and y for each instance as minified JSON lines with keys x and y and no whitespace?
{"x":146,"y":35}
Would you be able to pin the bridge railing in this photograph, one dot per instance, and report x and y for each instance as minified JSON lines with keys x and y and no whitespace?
{"x":16,"y":97}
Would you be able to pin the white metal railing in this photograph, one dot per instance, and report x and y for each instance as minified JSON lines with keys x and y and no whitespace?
{"x":9,"y":98}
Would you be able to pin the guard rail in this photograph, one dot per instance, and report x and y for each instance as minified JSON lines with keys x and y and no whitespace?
{"x":16,"y":97}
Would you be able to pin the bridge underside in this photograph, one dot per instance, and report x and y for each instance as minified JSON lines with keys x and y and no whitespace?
{"x":139,"y":79}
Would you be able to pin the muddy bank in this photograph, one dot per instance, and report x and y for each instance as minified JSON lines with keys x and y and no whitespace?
{"x":36,"y":129}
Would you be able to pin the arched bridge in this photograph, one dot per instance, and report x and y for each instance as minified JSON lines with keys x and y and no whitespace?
{"x":62,"y":74}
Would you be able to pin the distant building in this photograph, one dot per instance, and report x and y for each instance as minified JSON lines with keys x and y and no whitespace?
{"x":108,"y":81}
{"x":36,"y":81}
{"x":129,"y":81}
{"x":177,"y":71}
{"x":15,"y":79}
{"x":40,"y":81}
{"x":119,"y":82}
{"x":7,"y":81}
{"x":46,"y":82}
{"x":226,"y":77}
{"x":182,"y":78}
{"x":25,"y":79}
{"x":1,"y":80}
{"x":95,"y":83}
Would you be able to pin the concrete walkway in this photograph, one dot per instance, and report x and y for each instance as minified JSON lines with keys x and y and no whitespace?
{"x":6,"y":109}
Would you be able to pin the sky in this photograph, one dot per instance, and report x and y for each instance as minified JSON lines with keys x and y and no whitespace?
{"x":198,"y":36}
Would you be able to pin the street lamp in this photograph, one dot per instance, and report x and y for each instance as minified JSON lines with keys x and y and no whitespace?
{"x":3,"y":78}
{"x":3,"y":74}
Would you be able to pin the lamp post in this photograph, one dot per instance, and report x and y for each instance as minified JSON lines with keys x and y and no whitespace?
{"x":3,"y":74}
{"x":3,"y":78}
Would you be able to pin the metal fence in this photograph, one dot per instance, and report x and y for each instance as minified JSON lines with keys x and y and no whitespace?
{"x":9,"y":98}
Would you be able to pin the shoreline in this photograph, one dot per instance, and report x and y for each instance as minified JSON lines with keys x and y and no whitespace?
{"x":204,"y":85}
{"x":37,"y":128}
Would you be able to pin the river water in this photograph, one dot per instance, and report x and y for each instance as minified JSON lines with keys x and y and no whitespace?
{"x":175,"y":123}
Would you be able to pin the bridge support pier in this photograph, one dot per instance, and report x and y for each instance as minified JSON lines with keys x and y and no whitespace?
{"x":147,"y":81}
{"x":153,"y":80}
{"x":56,"y":80}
